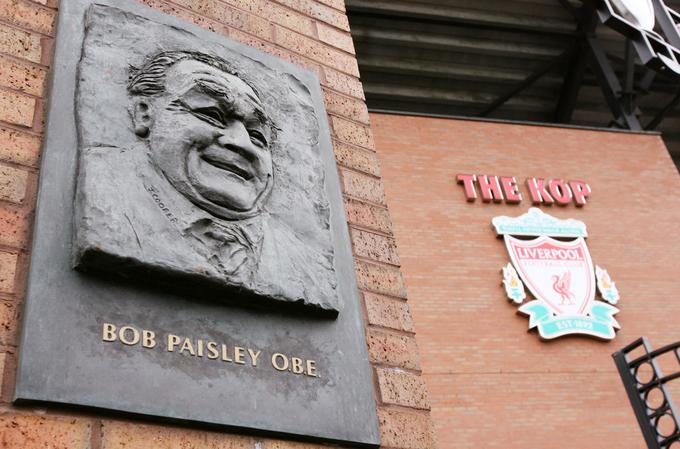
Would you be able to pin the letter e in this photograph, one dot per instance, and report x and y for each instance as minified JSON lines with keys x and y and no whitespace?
{"x":311,"y":368}
{"x":511,"y":190}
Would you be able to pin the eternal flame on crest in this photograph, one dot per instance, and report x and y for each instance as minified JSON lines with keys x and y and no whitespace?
{"x":551,"y":257}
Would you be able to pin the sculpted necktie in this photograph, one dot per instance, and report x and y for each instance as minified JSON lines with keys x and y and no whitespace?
{"x":233,"y":247}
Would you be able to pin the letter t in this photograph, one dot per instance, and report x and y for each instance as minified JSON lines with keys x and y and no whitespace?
{"x":468,"y":182}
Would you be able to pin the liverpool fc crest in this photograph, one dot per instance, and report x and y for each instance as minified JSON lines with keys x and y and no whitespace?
{"x":551,"y":258}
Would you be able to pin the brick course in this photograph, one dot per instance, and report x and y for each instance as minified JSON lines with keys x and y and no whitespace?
{"x":367,"y":244}
{"x":29,"y":15}
{"x":388,"y":348}
{"x":38,"y":432}
{"x":388,"y":312}
{"x":16,"y":108}
{"x":8,"y":322}
{"x":368,"y":215}
{"x":13,"y":184}
{"x":406,"y":430}
{"x":8,"y":263}
{"x":14,"y":226}
{"x":311,"y":34}
{"x":493,"y":383}
{"x":19,"y":147}
{"x":22,"y":76}
{"x":357,"y":158}
{"x":379,"y":278}
{"x":19,"y":43}
{"x":402,"y":388}
{"x":121,"y":435}
{"x":361,"y":186}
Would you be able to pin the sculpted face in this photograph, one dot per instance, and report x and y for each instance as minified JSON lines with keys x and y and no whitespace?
{"x":209,"y":136}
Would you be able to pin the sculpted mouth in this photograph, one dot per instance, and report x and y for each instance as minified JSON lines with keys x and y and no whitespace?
{"x":228,"y":166}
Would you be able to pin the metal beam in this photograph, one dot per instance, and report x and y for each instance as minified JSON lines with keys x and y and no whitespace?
{"x":610,"y":85}
{"x":628,"y":93}
{"x":463,"y":97}
{"x":666,"y":23}
{"x":448,"y":15}
{"x":528,"y":81}
{"x":658,"y":118}
{"x":574,"y":11}
{"x":587,"y":21}
{"x":445,"y":70}
{"x":647,"y":79}
{"x":571,"y":86}
{"x":467,"y":44}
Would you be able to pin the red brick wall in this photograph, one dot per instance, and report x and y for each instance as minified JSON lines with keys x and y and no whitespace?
{"x":493,"y":384}
{"x":311,"y":33}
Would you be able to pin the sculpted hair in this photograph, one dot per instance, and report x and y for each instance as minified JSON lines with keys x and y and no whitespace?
{"x":149,"y":80}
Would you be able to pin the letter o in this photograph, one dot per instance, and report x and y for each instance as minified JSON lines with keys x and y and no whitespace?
{"x":124,"y":340}
{"x":276,"y":357}
{"x":560,"y":191}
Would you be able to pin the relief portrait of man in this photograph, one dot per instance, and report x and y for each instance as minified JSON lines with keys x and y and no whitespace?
{"x":189,"y":201}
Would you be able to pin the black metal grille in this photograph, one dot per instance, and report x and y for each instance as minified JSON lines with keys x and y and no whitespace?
{"x":647,"y":390}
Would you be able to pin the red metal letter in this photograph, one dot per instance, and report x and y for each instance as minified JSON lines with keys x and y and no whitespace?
{"x":509,"y":184}
{"x":581,"y":191}
{"x":468,"y":182}
{"x":538,"y":193}
{"x":560,"y":191}
{"x":490,"y":188}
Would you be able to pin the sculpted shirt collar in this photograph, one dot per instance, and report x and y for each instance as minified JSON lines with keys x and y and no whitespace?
{"x":232,"y":247}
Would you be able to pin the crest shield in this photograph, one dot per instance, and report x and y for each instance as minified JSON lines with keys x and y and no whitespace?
{"x":559,"y":273}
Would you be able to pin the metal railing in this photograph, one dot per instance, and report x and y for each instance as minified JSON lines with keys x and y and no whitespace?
{"x":647,"y":389}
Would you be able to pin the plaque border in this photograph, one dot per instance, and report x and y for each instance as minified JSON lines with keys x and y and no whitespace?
{"x":51,"y":236}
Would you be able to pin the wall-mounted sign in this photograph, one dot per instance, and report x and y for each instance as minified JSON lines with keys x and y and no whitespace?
{"x":653,"y":28}
{"x":541,"y":191}
{"x":191,"y":258}
{"x":559,"y":274}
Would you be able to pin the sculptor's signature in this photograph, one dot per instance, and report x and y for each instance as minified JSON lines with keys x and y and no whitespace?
{"x":161,"y":205}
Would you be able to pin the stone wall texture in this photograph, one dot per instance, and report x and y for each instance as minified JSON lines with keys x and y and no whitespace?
{"x":310,"y":33}
{"x":492,"y":383}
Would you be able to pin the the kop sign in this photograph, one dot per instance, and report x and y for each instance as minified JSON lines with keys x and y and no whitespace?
{"x":653,"y":28}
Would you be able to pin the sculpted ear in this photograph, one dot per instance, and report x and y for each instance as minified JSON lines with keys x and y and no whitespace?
{"x":141,"y":116}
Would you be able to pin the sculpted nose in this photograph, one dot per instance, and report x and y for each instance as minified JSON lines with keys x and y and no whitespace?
{"x":235,"y":137}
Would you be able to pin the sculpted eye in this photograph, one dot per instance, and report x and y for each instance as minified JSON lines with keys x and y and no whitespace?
{"x":257,"y":137}
{"x":212,"y":115}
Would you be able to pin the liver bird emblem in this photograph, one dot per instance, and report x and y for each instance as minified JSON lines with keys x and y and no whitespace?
{"x":550,"y":257}
{"x":562,"y":285}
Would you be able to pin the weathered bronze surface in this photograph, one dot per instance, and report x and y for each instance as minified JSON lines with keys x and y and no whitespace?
{"x":198,"y":164}
{"x":191,"y":258}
